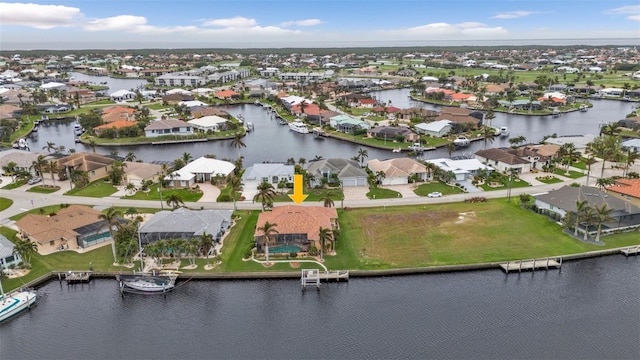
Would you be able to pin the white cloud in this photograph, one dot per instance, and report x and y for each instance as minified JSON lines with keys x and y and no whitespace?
{"x":634,"y":17}
{"x":629,"y":9}
{"x":466,"y":29}
{"x":470,"y":25}
{"x":120,"y":22}
{"x":306,"y":22}
{"x":513,"y":14}
{"x":38,"y":16}
{"x":235,"y":22}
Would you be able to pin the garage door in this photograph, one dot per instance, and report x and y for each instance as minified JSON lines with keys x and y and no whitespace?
{"x":349,"y":182}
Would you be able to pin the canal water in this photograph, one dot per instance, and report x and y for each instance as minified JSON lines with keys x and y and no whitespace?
{"x":273,"y":142}
{"x":588,"y":310}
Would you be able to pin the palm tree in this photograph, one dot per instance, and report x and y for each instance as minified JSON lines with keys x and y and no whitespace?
{"x":186,"y":157}
{"x":265,"y":194}
{"x":324,"y":235}
{"x":605,"y":147}
{"x":131,"y":212}
{"x":588,"y":216}
{"x":51,"y":146}
{"x":130,"y":188}
{"x":131,"y":157}
{"x":267,"y":230}
{"x":490,"y":115}
{"x":451,"y":148}
{"x":38,"y":164}
{"x":111,"y":215}
{"x":10,"y":169}
{"x":629,"y":159}
{"x":581,"y":206}
{"x":569,"y":154}
{"x":117,"y":172}
{"x":174,"y":200}
{"x":362,"y":154}
{"x":602,"y":215}
{"x":92,"y":145}
{"x":53,"y":169}
{"x":328,"y":198}
{"x":206,"y":243}
{"x":237,"y":142}
{"x":488,"y":135}
{"x":25,"y":249}
{"x":235,"y":183}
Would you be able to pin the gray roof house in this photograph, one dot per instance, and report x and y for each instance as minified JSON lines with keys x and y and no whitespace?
{"x":271,"y":173}
{"x":348,"y":172}
{"x":184,"y":223}
{"x":7,"y":258}
{"x":564,"y":200}
{"x":167,"y":127}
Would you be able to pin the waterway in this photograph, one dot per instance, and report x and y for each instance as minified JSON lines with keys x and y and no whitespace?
{"x":114,"y":84}
{"x":272,"y":142}
{"x":588,"y":310}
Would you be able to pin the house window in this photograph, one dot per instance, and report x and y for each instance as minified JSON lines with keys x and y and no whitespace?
{"x":52,"y":243}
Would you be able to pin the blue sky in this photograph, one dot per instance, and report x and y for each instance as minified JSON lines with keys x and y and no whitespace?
{"x":301,"y":23}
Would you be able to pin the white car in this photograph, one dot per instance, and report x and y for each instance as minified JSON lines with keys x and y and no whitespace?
{"x":34,"y":180}
{"x":434,"y":194}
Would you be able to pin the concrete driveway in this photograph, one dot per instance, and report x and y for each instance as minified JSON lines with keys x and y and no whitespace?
{"x":210,"y":192}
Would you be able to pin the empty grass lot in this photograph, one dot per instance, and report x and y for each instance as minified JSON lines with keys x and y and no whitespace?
{"x":187,"y":195}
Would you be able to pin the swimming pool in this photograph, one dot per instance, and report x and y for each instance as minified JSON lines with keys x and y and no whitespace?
{"x":284,"y":249}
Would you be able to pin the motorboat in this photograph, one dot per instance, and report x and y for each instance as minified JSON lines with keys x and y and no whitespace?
{"x":583,"y":108}
{"x":298,"y":126}
{"x":556,"y":113}
{"x":22,"y":143}
{"x":15,"y":302}
{"x":461,"y":141}
{"x":504,"y":131}
{"x":77,"y":129}
{"x":416,"y":147}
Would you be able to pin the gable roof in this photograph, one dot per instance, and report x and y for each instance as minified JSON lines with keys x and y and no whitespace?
{"x":6,"y":247}
{"x":342,"y":167}
{"x":85,"y":161}
{"x":188,"y":221}
{"x":501,"y":156}
{"x":292,"y":219}
{"x":629,"y":187}
{"x":566,"y":197}
{"x":397,"y":167}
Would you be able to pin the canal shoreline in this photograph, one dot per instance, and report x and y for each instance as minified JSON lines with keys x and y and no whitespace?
{"x":288,"y":275}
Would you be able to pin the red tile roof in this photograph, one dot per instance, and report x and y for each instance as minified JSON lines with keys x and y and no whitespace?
{"x":629,"y":187}
{"x":292,"y":219}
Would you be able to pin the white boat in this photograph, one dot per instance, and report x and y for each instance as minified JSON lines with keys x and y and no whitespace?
{"x":298,"y":126}
{"x":22,"y":143}
{"x":15,"y":302}
{"x":583,"y":108}
{"x":150,"y":283}
{"x":416,"y":147}
{"x":461,"y":141}
{"x":556,"y":113}
{"x":504,"y":131}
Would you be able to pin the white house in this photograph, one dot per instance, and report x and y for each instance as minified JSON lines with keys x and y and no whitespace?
{"x":611,"y":92}
{"x":463,"y":168}
{"x":53,"y":85}
{"x":7,"y":257}
{"x":633,"y":145}
{"x":198,"y":171}
{"x":206,"y":123}
{"x":167,"y":127}
{"x":270,"y":173}
{"x":438,"y":128}
{"x":122,"y":95}
{"x":178,"y":91}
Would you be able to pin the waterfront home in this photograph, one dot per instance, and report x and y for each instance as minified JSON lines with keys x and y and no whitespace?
{"x":579,"y":141}
{"x":184,"y":223}
{"x":632,"y":145}
{"x":393,"y":133}
{"x":208,"y":123}
{"x":7,"y":258}
{"x":502,"y":160}
{"x":168,"y":127}
{"x":538,"y":155}
{"x":116,"y":126}
{"x":122,"y":95}
{"x":440,"y":128}
{"x":176,"y":98}
{"x":298,"y":227}
{"x":626,"y":189}
{"x":397,"y":171}
{"x":272,"y":173}
{"x":463,"y":168}
{"x":227,"y":94}
{"x":73,"y":227}
{"x":563,"y":201}
{"x":21,"y":158}
{"x":208,"y":111}
{"x":116,"y":113}
{"x":416,"y":113}
{"x":96,"y":166}
{"x":346,"y":123}
{"x":337,"y":171}
{"x":137,"y":173}
{"x":200,"y":170}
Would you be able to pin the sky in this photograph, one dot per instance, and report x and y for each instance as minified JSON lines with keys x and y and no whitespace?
{"x":131,"y":24}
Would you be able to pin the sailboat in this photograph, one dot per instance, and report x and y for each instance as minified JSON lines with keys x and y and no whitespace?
{"x":145,"y":282}
{"x":15,"y":302}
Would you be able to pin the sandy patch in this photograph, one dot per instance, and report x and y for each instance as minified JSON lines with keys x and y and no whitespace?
{"x":190,"y":267}
{"x":16,"y":273}
{"x":294,"y":264}
{"x":465,"y":216}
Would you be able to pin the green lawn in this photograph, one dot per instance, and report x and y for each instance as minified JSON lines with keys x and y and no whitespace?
{"x":14,"y":185}
{"x":382,"y":193}
{"x":572,"y":174}
{"x":97,"y":189}
{"x":516,"y":183}
{"x":44,"y":189}
{"x":187,"y":195}
{"x":41,"y":210}
{"x":549,"y":179}
{"x":426,"y":188}
{"x":5,"y":203}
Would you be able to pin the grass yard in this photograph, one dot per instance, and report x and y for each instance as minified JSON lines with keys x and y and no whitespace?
{"x":456,"y":233}
{"x":5,"y":203}
{"x":516,"y":183}
{"x":187,"y":195}
{"x":572,"y":174}
{"x":426,"y":188}
{"x":45,"y":210}
{"x":549,"y":179}
{"x":382,"y":193}
{"x":44,"y":189}
{"x":97,"y":189}
{"x":15,"y":184}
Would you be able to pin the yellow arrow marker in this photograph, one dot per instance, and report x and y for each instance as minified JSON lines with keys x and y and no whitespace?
{"x":297,"y":196}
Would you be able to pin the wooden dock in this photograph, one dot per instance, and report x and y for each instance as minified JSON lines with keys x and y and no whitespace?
{"x":313,"y":277}
{"x":631,"y":250}
{"x":532,"y":264}
{"x":77,"y":277}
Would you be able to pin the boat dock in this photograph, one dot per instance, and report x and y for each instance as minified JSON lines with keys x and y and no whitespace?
{"x":631,"y":250}
{"x":533,"y":264}
{"x":76,"y":277}
{"x":313,"y":277}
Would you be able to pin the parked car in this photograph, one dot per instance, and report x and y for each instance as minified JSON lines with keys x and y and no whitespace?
{"x":34,"y":180}
{"x":434,"y":194}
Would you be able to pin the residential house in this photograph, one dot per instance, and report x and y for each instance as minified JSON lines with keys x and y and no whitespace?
{"x":438,"y":129}
{"x":397,"y":171}
{"x":96,"y":166}
{"x":272,"y":173}
{"x":632,"y":145}
{"x":579,"y":141}
{"x":168,"y":127}
{"x":73,"y":227}
{"x":7,"y":258}
{"x":122,"y":95}
{"x":208,"y":111}
{"x":174,"y":99}
{"x":139,"y":172}
{"x":416,"y":113}
{"x":627,"y":190}
{"x":392,"y":133}
{"x":227,"y":94}
{"x":463,"y":169}
{"x":538,"y":155}
{"x":298,"y":227}
{"x":211,"y":123}
{"x":347,"y":124}
{"x":22,"y":159}
{"x":503,"y":160}
{"x":342,"y":171}
{"x":563,"y":201}
{"x":115,"y":125}
{"x":200,"y":170}
{"x":185,"y":224}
